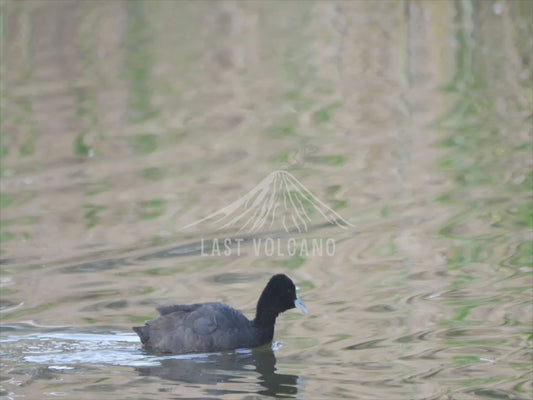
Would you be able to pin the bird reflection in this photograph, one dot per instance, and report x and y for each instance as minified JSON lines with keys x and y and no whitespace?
{"x":228,"y":367}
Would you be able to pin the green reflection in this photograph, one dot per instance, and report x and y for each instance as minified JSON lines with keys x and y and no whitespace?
{"x":282,"y":131}
{"x":91,"y":215}
{"x":152,"y":174}
{"x":28,"y":311}
{"x":146,"y":143}
{"x":96,"y":294}
{"x":138,"y":319}
{"x":153,"y":208}
{"x":485,"y":162}
{"x":300,"y":101}
{"x":6,"y":199}
{"x":92,"y":188}
{"x":482,"y":153}
{"x":139,"y":60}
{"x":144,"y":290}
{"x":522,"y":256}
{"x":159,"y":272}
{"x":30,"y":128}
{"x":336,"y":160}
{"x":158,"y":240}
{"x":294,"y":262}
{"x":5,"y":291}
{"x":4,"y":149}
{"x":478,"y":382}
{"x":324,"y":114}
{"x":6,"y":236}
{"x":80,"y":148}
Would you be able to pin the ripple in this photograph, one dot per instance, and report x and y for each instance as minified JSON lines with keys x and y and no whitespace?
{"x":370,"y":344}
{"x":380,"y":308}
{"x":8,"y":306}
{"x":234,"y":277}
{"x":94,"y":266}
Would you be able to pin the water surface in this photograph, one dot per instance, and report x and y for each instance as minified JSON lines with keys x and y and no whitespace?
{"x":129,"y":125}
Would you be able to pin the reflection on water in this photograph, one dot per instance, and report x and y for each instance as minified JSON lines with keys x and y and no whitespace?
{"x":229,"y":367}
{"x":124,"y":122}
{"x":64,"y":349}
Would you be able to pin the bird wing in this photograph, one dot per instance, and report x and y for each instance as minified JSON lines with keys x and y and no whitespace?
{"x":184,"y":308}
{"x":196,"y":328}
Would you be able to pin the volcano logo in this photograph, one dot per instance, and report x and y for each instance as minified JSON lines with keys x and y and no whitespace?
{"x":278,"y":201}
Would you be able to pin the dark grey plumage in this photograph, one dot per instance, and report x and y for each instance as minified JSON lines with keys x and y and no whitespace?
{"x":208,"y":327}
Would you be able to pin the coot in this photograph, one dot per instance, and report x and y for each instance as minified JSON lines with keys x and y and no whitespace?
{"x":208,"y":327}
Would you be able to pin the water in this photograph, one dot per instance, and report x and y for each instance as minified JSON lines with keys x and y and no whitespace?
{"x":138,"y":136}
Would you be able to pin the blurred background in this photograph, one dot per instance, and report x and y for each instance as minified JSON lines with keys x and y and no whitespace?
{"x":124,"y":121}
